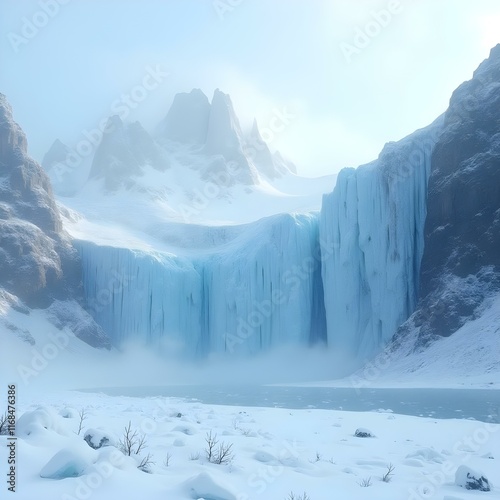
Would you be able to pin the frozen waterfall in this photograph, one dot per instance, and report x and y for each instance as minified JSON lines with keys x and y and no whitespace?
{"x":373,"y":224}
{"x":259,"y":289}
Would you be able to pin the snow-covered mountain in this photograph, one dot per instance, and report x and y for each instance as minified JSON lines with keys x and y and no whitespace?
{"x":123,"y":152}
{"x":198,"y":167}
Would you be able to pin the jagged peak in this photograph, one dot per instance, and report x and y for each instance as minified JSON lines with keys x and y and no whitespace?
{"x":13,"y":137}
{"x":224,"y":130}
{"x":113,"y":124}
{"x":255,"y":132}
{"x":5,"y":108}
{"x":187,"y":119}
{"x":488,"y":64}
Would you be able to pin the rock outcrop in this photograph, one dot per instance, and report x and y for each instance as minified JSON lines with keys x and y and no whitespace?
{"x":461,"y":261}
{"x":38,"y":263}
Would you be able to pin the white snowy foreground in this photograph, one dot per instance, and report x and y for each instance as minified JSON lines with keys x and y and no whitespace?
{"x":275,"y":454}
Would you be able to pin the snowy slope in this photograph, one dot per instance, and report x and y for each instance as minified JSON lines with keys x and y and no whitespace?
{"x":274,"y":452}
{"x":468,"y":358}
{"x":476,"y":345}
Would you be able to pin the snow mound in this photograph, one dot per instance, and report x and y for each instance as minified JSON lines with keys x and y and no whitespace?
{"x":471,"y":480}
{"x":39,"y":421}
{"x":185,"y":429}
{"x":65,"y":463}
{"x":427,"y":455}
{"x":68,"y":413}
{"x":266,"y":458}
{"x":111,"y":456}
{"x":204,"y":486}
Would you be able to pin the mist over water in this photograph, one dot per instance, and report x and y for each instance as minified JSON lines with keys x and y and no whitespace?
{"x":139,"y":366}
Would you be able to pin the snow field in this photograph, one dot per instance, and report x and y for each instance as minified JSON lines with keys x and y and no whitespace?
{"x":274,"y":452}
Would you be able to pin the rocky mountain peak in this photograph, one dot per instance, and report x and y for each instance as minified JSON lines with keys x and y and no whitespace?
{"x":12,"y":137}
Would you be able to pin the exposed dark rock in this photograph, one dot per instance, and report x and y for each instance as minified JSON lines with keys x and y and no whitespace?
{"x":38,"y":263}
{"x":96,"y":439}
{"x":461,"y":262}
{"x":471,"y":480}
{"x":363,"y":433}
{"x":69,"y":314}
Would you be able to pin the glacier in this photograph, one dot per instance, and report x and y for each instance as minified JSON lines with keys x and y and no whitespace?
{"x":373,"y":225}
{"x":346,"y":276}
{"x":258,"y":286}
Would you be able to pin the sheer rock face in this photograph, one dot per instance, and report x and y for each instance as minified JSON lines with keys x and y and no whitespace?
{"x":187,"y":119}
{"x":461,"y":261}
{"x":34,"y":253}
{"x":38,"y":264}
{"x":25,"y":190}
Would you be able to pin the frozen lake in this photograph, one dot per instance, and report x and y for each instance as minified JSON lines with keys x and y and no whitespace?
{"x":479,"y":404}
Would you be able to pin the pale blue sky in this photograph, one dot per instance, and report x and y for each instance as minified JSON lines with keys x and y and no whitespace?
{"x":267,"y":54}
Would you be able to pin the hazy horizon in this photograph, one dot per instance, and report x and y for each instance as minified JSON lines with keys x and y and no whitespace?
{"x":351,"y":76}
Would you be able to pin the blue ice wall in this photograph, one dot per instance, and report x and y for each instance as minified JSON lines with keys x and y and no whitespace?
{"x":373,"y":227}
{"x":259,"y":289}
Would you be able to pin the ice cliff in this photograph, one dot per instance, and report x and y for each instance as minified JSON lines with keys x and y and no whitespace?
{"x":259,"y":286}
